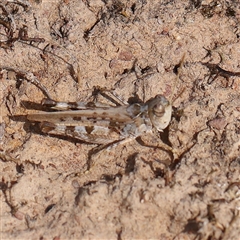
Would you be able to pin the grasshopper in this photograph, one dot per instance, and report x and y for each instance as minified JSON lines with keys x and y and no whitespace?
{"x":102,"y":124}
{"x":99,"y":123}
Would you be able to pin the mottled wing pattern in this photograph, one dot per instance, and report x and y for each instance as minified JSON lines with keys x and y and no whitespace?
{"x":100,"y":125}
{"x":104,"y":124}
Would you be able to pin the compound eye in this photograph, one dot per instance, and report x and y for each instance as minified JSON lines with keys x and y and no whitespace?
{"x":159,"y":110}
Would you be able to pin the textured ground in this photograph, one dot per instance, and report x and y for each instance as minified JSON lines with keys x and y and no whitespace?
{"x":133,"y":47}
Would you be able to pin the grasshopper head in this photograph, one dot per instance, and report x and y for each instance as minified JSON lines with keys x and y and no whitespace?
{"x":159,"y":112}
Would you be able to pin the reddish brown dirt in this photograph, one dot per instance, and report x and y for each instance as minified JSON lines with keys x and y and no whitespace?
{"x":132,"y":192}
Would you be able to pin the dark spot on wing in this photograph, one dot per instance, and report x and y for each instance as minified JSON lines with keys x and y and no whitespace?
{"x":47,"y":127}
{"x":77,"y":118}
{"x":70,"y":128}
{"x":114,"y":124}
{"x":74,"y":105}
{"x":89,"y":129}
{"x":48,"y":102}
